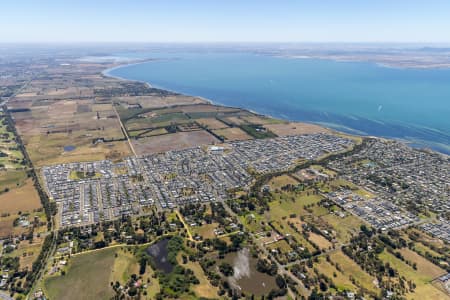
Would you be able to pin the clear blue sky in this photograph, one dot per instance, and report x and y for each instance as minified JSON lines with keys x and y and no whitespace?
{"x":225,"y":20}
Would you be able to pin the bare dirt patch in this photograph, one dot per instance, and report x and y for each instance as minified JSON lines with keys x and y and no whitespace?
{"x":235,"y":120}
{"x":21,"y":199}
{"x":319,"y":240}
{"x":174,"y":141}
{"x":295,"y":129}
{"x":423,"y":265}
{"x":212,"y":123}
{"x":6,"y":226}
{"x":233,"y":134}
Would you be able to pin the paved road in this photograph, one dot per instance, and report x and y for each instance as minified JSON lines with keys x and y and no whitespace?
{"x":180,"y":217}
{"x":124,"y":131}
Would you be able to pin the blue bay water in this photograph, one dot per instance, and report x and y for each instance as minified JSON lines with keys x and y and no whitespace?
{"x":355,"y":97}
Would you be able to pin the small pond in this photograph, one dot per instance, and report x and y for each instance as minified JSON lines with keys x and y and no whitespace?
{"x":158,"y":252}
{"x":69,"y":148}
{"x":246,"y":277}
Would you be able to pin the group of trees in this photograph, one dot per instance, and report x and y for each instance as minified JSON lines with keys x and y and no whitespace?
{"x":12,"y":263}
{"x":49,"y":206}
{"x":364,"y":249}
{"x":178,"y":281}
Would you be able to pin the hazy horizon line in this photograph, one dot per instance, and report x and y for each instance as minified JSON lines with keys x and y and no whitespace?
{"x":299,"y":43}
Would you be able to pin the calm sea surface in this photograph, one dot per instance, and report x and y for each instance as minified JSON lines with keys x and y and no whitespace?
{"x":356,"y":97}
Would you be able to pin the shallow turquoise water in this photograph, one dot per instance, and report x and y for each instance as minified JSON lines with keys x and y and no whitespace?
{"x":357,"y":97}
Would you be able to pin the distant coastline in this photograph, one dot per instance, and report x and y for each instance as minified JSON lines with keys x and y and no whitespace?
{"x":415,"y":143}
{"x":209,"y":101}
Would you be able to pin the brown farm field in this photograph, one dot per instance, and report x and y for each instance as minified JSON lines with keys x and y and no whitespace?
{"x":211,"y":123}
{"x":277,"y":182}
{"x":81,"y":271}
{"x":283,"y":129}
{"x":422,"y":277}
{"x":350,"y":268}
{"x":23,"y":199}
{"x":179,"y":140}
{"x":47,"y":150}
{"x":257,"y":119}
{"x":160,"y":101}
{"x":6,"y":226}
{"x":233,"y":134}
{"x":12,"y":179}
{"x":423,"y":265}
{"x":47,"y":129}
{"x":104,"y":266}
{"x":319,"y":240}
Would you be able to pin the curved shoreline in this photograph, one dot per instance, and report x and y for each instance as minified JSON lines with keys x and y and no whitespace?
{"x":419,"y":144}
{"x":209,"y":101}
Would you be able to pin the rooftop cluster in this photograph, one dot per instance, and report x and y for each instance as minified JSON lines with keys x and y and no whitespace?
{"x":416,"y":180}
{"x":103,"y":190}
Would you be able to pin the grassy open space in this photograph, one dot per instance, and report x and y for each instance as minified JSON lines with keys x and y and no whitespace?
{"x":345,"y":227}
{"x":79,"y":277}
{"x":90,"y":275}
{"x":319,"y":240}
{"x":125,"y":264}
{"x":10,"y":179}
{"x":10,"y":154}
{"x":78,"y":175}
{"x":421,"y":277}
{"x":341,"y":280}
{"x":82,"y":269}
{"x":47,"y":150}
{"x":22,"y":199}
{"x":350,"y":268}
{"x":232,"y":134}
{"x":204,"y":289}
{"x":27,"y":252}
{"x":287,"y":207}
{"x":252,"y":222}
{"x":278,"y":182}
{"x":423,"y":265}
{"x":206,"y":230}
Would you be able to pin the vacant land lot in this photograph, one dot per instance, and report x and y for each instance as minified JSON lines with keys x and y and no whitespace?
{"x":278,"y":182}
{"x":345,"y":227}
{"x":235,"y":120}
{"x":23,"y":199}
{"x":179,"y":140}
{"x":340,"y":279}
{"x":27,"y":252}
{"x":319,"y":240}
{"x":211,"y":123}
{"x":423,"y":265}
{"x":233,"y":134}
{"x":6,"y":226}
{"x":47,"y":150}
{"x":257,"y":119}
{"x":206,"y":231}
{"x":159,"y":101}
{"x":421,"y":277}
{"x":350,"y":268}
{"x":79,"y":277}
{"x":10,"y":179}
{"x":204,"y":289}
{"x":282,"y":129}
